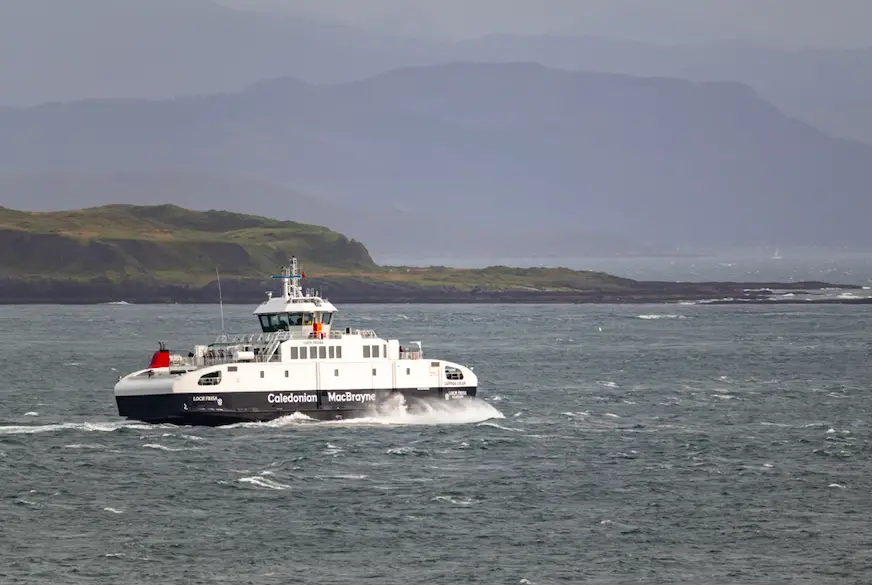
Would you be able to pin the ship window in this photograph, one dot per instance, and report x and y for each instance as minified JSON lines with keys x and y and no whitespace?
{"x":313,"y":353}
{"x":295,"y":353}
{"x":231,"y":368}
{"x":295,"y":319}
{"x":286,"y":373}
{"x":279,"y":322}
{"x":327,"y":318}
{"x":366,"y":351}
{"x":302,"y":353}
{"x":408,"y":371}
{"x":434,"y":364}
{"x":261,"y":373}
{"x":322,"y":352}
{"x":339,"y":352}
{"x":264,"y":324}
{"x":332,"y":352}
{"x":308,"y":318}
{"x":373,"y":371}
{"x":453,"y":373}
{"x":210,"y":379}
{"x":335,"y":372}
{"x":375,"y":351}
{"x":385,"y":348}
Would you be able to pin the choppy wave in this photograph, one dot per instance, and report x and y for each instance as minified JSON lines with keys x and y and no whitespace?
{"x":657,"y":316}
{"x":100,"y":427}
{"x":264,"y":482}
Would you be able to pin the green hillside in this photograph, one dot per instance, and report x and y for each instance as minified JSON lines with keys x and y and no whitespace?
{"x":167,"y":244}
{"x":163,"y":243}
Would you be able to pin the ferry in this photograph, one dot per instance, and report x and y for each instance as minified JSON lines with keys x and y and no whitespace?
{"x":296,"y":363}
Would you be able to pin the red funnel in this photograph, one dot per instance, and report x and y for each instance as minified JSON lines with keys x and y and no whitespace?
{"x":160,"y":358}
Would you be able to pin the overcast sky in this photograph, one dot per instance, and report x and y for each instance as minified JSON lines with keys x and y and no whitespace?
{"x":821,"y":23}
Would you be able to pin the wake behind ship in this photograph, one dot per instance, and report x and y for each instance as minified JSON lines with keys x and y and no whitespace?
{"x":296,"y":363}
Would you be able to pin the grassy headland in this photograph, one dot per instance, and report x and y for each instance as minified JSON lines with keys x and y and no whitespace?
{"x":162,"y":244}
{"x":167,"y":253}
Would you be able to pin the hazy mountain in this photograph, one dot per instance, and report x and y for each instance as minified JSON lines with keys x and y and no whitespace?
{"x":477,"y":148}
{"x":806,"y":83}
{"x":792,"y":23}
{"x":850,"y":120}
{"x":56,"y":51}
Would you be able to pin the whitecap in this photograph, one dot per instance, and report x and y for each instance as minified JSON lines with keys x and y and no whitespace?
{"x":264,"y":482}
{"x":113,"y":510}
{"x":455,"y":501}
{"x":656,"y":316}
{"x":496,"y":426}
{"x":165,"y":448}
{"x":90,"y":427}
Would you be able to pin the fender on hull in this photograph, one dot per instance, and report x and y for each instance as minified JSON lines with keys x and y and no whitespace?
{"x":224,"y":408}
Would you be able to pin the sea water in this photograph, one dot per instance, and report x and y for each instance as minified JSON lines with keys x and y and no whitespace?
{"x":609,"y":444}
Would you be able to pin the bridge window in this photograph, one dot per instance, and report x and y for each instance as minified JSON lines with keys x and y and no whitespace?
{"x":295,"y":353}
{"x":366,"y":352}
{"x":453,"y":373}
{"x":326,"y":318}
{"x":210,"y":379}
{"x":273,"y":323}
{"x":285,"y":321}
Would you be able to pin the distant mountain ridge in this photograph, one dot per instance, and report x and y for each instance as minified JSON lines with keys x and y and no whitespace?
{"x":163,"y":48}
{"x":491,"y":147}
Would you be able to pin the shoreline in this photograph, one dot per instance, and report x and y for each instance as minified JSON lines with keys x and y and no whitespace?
{"x":354,"y":291}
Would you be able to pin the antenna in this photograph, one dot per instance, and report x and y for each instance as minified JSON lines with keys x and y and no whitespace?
{"x":220,"y":299}
{"x":291,"y":288}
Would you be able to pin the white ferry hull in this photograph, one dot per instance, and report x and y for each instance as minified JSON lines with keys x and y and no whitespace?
{"x":222,"y":408}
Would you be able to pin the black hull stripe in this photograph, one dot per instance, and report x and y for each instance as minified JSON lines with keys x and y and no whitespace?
{"x":222,"y":408}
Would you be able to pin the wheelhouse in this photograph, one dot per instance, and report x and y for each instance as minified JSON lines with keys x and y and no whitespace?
{"x":272,"y":322}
